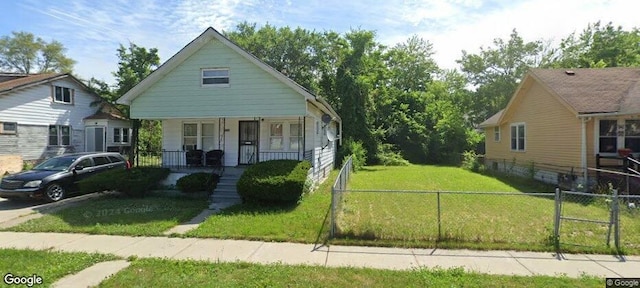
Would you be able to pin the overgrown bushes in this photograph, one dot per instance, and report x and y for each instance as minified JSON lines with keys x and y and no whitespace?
{"x":470,"y":161}
{"x":197,"y":182}
{"x":276,"y":181}
{"x":134,"y":182}
{"x":353,"y":148}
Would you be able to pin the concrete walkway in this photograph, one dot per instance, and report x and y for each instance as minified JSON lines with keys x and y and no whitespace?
{"x":490,"y":262}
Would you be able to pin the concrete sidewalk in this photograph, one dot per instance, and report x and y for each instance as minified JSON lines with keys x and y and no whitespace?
{"x":490,"y":262}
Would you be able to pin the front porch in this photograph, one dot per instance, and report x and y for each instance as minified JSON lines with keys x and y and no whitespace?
{"x":194,"y":161}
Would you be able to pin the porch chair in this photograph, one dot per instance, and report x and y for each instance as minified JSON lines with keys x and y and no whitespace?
{"x":194,"y":157}
{"x":214,"y":158}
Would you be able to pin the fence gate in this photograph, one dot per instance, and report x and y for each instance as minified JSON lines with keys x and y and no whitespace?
{"x":570,"y":223}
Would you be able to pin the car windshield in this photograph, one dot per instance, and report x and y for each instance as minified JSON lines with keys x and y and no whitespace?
{"x":55,"y":164}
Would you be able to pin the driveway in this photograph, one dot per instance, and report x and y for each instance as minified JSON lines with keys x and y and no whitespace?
{"x":12,"y":209}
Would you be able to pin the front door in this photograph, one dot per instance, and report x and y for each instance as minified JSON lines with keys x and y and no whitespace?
{"x":248,"y":142}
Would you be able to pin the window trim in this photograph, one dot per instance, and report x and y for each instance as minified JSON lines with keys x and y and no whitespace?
{"x":281,"y":136}
{"x":299,"y":137}
{"x":199,"y":136}
{"x":517,"y":137}
{"x":71,"y":95}
{"x":228,"y":77}
{"x":59,"y":136}
{"x":121,"y":139}
{"x":8,"y":132}
{"x":496,"y":134}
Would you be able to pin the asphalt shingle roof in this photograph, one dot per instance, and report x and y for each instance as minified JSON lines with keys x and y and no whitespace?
{"x":26,"y":80}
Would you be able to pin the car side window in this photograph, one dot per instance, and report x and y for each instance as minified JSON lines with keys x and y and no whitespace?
{"x":85,"y":163}
{"x":115,"y":159}
{"x":101,"y":160}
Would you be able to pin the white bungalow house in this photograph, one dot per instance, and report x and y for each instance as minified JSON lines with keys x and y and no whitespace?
{"x":213,"y":95}
{"x":43,"y":115}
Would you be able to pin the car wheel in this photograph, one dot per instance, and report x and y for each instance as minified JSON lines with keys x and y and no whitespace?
{"x":54,"y":192}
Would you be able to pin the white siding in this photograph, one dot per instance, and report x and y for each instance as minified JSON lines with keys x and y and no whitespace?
{"x":34,"y":110}
{"x":34,"y":106}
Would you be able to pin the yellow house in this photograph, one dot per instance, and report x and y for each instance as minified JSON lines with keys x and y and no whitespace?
{"x":560,"y":120}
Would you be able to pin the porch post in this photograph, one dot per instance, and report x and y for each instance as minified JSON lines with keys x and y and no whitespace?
{"x":299,"y":134}
{"x":584,"y":152}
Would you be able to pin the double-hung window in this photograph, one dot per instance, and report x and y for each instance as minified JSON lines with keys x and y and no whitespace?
{"x":632,"y":135}
{"x":59,"y":135}
{"x":496,"y":133}
{"x":295,"y":136}
{"x":518,"y":137}
{"x":190,"y":136}
{"x":215,"y":77}
{"x":608,"y":138}
{"x":62,"y":95}
{"x":120,"y":135}
{"x":276,"y":134}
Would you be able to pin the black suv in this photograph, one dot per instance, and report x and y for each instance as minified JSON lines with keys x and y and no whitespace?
{"x":55,"y":177}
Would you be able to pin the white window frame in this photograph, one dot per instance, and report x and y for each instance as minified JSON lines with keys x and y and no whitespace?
{"x":62,"y":89}
{"x":120,"y":136}
{"x":620,"y":135}
{"x":298,"y":138}
{"x":496,"y":134}
{"x":3,"y":129}
{"x":518,"y":136}
{"x":274,"y":137}
{"x":199,"y":136}
{"x":59,"y":136}
{"x":203,"y":77}
{"x":184,"y":137}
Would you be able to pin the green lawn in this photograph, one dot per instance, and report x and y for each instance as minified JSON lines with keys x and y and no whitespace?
{"x":149,"y":216}
{"x":51,"y":266}
{"x":468,"y":220}
{"x":168,"y":273}
{"x":305,"y":222}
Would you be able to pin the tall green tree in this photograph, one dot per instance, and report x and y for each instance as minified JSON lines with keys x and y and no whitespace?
{"x":135,"y":63}
{"x":294,"y":52}
{"x":599,"y":46}
{"x":23,"y":52}
{"x":496,"y":71}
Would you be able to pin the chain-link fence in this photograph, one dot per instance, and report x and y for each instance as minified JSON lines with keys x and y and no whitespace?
{"x":547,"y":220}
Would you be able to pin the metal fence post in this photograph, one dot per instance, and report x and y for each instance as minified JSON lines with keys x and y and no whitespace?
{"x":439,"y":222}
{"x":616,"y":220}
{"x":556,"y":222}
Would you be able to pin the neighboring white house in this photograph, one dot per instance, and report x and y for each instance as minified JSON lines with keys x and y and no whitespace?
{"x":213,"y":95}
{"x":42,"y":115}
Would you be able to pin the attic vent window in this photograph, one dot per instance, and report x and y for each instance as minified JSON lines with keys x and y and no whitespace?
{"x":570,"y":72}
{"x":218,"y":77}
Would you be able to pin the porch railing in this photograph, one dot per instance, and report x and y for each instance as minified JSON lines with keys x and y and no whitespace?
{"x":178,"y":159}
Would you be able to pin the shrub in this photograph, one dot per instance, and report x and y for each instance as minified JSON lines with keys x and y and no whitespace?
{"x":388,"y":157}
{"x":134,"y":182}
{"x":471,"y":162}
{"x":356,"y":150}
{"x":197,"y":182}
{"x":276,"y":181}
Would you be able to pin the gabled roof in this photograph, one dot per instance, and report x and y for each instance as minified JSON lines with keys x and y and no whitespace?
{"x":197,"y":43}
{"x":585,"y":91}
{"x":24,"y":81}
{"x":603,"y":90}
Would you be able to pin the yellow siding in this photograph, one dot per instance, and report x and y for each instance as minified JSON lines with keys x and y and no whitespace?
{"x":553,"y":133}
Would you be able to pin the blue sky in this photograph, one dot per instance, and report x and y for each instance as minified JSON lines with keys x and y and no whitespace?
{"x":91,"y":30}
